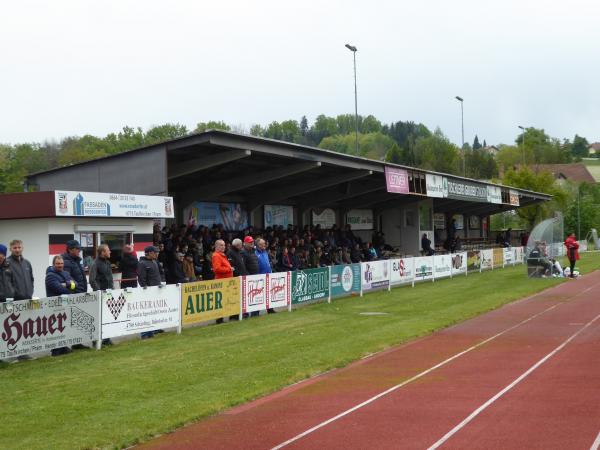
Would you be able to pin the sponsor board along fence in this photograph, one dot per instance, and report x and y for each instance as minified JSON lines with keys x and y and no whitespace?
{"x":37,"y":326}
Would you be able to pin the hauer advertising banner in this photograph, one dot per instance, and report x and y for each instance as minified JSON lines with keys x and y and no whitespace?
{"x":345,"y":280}
{"x":279,"y":289}
{"x":442,"y":266}
{"x":375,"y":274}
{"x":254,"y":293}
{"x":459,"y":263}
{"x":423,"y":268}
{"x":209,"y":300}
{"x":403,"y":271}
{"x":310,"y":284}
{"x":33,"y":326}
{"x":133,"y":311}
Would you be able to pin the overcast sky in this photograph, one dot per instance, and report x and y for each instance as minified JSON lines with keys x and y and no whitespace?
{"x":77,"y":67}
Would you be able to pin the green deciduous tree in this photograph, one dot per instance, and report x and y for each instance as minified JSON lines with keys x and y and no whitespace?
{"x":211,"y":125}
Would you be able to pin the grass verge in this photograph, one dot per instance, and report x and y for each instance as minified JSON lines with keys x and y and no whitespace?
{"x":130,"y":392}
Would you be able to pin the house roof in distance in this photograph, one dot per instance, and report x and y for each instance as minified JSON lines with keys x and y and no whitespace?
{"x":574,"y":172}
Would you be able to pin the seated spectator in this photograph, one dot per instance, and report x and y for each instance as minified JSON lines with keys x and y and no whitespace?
{"x":294,"y":258}
{"x":188,"y":267}
{"x":356,"y":255}
{"x":285,"y":263}
{"x":426,"y":245}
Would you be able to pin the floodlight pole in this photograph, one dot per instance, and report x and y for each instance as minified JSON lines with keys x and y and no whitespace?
{"x":353,"y":49}
{"x":462,"y":128}
{"x":523,"y":144}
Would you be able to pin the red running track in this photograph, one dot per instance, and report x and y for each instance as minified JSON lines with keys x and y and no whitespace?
{"x":525,"y":376}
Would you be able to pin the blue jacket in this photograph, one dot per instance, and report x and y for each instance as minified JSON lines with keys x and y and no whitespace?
{"x":264,"y":266}
{"x":74,"y":266}
{"x":54,"y":282}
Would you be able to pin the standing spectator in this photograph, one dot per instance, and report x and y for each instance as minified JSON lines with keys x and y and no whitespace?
{"x":101,"y":277}
{"x":7,"y":277}
{"x":74,"y":265}
{"x":150,"y":273}
{"x":22,"y":270}
{"x":188,"y":267}
{"x":176,"y":272}
{"x":264,"y":265}
{"x":249,"y":255}
{"x":220,"y":263}
{"x":236,"y":258}
{"x":59,"y":282}
{"x":128,"y":266}
{"x":572,"y":252}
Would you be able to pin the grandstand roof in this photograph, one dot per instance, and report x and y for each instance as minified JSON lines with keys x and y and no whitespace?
{"x":224,"y":166}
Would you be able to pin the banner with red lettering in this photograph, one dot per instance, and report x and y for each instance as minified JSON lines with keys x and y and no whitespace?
{"x":254,"y":293}
{"x":279,"y":289}
{"x":37,"y":326}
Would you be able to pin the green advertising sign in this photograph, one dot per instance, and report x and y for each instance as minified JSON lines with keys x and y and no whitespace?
{"x":345,"y":279}
{"x":310,"y":284}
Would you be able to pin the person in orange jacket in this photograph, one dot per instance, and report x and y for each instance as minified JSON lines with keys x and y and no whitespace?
{"x":572,"y":251}
{"x":220,"y":263}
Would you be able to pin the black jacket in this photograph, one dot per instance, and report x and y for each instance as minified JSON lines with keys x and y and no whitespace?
{"x":23,"y":273}
{"x":128,"y":267}
{"x":7,"y":282}
{"x":250,"y":261}
{"x":236,"y":259}
{"x":55,"y":281}
{"x":74,"y":266}
{"x":101,"y":277}
{"x":175,"y":273}
{"x":150,"y":272}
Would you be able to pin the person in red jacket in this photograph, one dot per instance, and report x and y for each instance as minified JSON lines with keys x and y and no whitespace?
{"x":572,"y":251}
{"x":220,"y":263}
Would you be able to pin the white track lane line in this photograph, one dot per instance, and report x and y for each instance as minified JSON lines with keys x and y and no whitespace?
{"x":475,"y":413}
{"x":410,"y":380}
{"x":596,"y":443}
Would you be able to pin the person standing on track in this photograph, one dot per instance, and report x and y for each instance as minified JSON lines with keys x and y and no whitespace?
{"x":572,"y":252}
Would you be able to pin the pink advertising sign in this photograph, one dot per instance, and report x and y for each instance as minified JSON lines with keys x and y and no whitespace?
{"x":396,"y":180}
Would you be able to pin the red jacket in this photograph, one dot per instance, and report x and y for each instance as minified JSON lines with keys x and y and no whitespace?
{"x":572,"y":248}
{"x":221,"y":266}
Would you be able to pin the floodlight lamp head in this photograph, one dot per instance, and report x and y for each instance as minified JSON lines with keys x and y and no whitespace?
{"x":352,"y":48}
{"x":459,"y":98}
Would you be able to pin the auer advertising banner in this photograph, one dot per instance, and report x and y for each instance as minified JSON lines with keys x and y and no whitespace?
{"x":33,"y":326}
{"x":360,"y":219}
{"x":402,"y":271}
{"x":487,"y":258}
{"x":345,"y":280}
{"x":278,"y":289}
{"x":279,"y":215}
{"x":209,"y":300}
{"x":459,"y":263}
{"x":375,"y":274}
{"x":466,"y":190}
{"x":396,"y":180}
{"x":310,"y":284}
{"x":138,"y":310}
{"x":254,"y":293}
{"x":437,"y":186}
{"x":99,"y":204}
{"x":423,"y":268}
{"x":442,"y":266}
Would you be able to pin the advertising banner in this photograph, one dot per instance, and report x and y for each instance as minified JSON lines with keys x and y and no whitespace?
{"x":442,"y":265}
{"x":280,"y":215}
{"x":459,"y":263}
{"x":518,"y":255}
{"x":310,"y":284}
{"x":100,"y":204}
{"x":137,"y":310}
{"x":324,"y":217}
{"x":375,"y":274}
{"x":473,"y":260}
{"x":279,"y":289}
{"x":202,"y":301}
{"x":396,"y":180}
{"x":437,"y":186}
{"x":439,"y":221}
{"x":487,"y":258}
{"x":583,"y":246}
{"x":498,"y":258}
{"x":509,"y":255}
{"x":466,"y":190}
{"x":460,"y":221}
{"x":33,"y":326}
{"x":402,"y":271}
{"x":345,"y":280}
{"x":254,"y":293}
{"x":232,"y":216}
{"x":494,"y":194}
{"x":360,"y":219}
{"x":514,"y":197}
{"x":423,"y":268}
